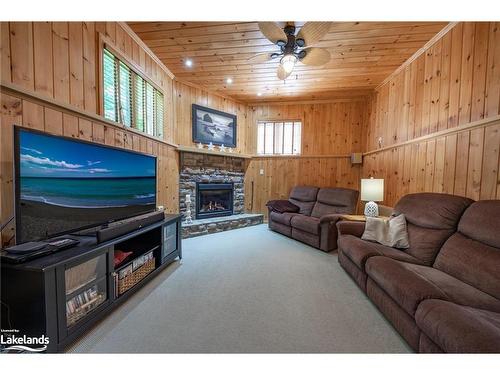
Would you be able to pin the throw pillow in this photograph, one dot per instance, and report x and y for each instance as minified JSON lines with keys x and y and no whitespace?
{"x":389,"y":232}
{"x":282,"y":206}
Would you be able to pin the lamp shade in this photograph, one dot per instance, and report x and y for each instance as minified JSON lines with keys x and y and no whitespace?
{"x":372,"y":189}
{"x":288,"y":62}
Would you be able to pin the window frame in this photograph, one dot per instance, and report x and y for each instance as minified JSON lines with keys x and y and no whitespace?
{"x":137,"y":70}
{"x":283,"y":122}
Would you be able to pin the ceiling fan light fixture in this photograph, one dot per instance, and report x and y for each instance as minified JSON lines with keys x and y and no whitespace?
{"x":288,"y":62}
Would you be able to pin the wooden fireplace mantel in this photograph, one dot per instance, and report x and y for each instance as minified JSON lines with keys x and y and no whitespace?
{"x":196,"y":150}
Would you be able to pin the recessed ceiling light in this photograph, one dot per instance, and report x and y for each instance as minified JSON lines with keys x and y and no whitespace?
{"x":189,"y":63}
{"x":259,"y":94}
{"x":229,"y":80}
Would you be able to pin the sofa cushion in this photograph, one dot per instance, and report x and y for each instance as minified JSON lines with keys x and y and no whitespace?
{"x":409,"y":284}
{"x":283,"y":218}
{"x":432,"y":210}
{"x":306,"y":223}
{"x":304,"y":197}
{"x":335,"y":201}
{"x":359,"y":251}
{"x":473,"y":253}
{"x":481,"y":222}
{"x":431,"y":219}
{"x":459,"y":329}
{"x":471,"y":261}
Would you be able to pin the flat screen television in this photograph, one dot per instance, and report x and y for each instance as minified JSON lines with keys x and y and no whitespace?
{"x":63,"y":185}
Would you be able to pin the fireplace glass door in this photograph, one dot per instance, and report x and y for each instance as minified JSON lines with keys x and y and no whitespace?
{"x":214,"y":199}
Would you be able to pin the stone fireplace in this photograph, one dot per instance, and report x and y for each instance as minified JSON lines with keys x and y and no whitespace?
{"x":215,"y":184}
{"x":211,"y":172}
{"x":214,"y":199}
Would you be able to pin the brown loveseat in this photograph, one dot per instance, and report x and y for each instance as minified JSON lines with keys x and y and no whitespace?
{"x":443,"y":293}
{"x":318,"y":212}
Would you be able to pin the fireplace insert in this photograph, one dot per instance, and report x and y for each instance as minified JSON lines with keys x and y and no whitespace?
{"x":214,"y":199}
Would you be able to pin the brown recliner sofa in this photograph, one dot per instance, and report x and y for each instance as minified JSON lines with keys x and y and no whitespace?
{"x":319,"y":211}
{"x":443,"y":293}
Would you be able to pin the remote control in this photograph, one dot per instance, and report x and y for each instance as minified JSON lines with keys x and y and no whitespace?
{"x":63,"y":243}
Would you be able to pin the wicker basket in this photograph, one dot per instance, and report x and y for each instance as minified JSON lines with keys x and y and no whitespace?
{"x":132,"y":279}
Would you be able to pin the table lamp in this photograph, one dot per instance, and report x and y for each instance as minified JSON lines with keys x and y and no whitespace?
{"x":372,"y":190}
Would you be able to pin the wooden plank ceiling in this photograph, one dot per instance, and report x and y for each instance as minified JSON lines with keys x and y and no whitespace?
{"x":363,"y":55}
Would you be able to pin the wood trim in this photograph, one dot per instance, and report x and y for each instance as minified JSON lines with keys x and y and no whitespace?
{"x":139,"y":41}
{"x":300,"y":156}
{"x":312,"y":101}
{"x":195,"y":150}
{"x":422,"y":50}
{"x":458,"y":129}
{"x":274,"y":120}
{"x":216,"y":93}
{"x":22,"y":93}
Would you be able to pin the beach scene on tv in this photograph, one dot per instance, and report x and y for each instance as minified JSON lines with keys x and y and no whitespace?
{"x":66,"y":184}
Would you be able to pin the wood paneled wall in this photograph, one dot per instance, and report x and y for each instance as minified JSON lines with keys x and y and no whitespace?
{"x":57,"y":63}
{"x":329,"y":128}
{"x":454,"y":83}
{"x":60,"y":60}
{"x":38,"y":115}
{"x":331,"y":131}
{"x":282,"y":174}
{"x":185,"y":95}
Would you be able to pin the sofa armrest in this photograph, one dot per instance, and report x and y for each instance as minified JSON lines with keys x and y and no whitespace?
{"x":354,"y":228}
{"x":330,"y":218}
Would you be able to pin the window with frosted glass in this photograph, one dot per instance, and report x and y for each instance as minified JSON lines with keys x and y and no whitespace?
{"x":279,"y":137}
{"x":130,"y":99}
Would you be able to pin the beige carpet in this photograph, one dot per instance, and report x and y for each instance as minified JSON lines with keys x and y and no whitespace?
{"x":248,"y":290}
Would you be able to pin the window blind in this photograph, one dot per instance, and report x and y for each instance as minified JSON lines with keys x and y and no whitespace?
{"x":279,"y":137}
{"x":110,"y":86}
{"x":130,"y":99}
{"x":125,"y":95}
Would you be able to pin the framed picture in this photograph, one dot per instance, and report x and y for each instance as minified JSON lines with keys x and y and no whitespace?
{"x":210,"y":125}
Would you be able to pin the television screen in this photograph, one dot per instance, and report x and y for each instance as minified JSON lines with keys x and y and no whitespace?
{"x":64,"y":184}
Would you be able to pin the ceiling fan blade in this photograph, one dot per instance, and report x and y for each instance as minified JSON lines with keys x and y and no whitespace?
{"x":282,"y":74}
{"x":315,"y":56}
{"x":313,"y":32}
{"x":272,"y":31}
{"x":261,"y":57}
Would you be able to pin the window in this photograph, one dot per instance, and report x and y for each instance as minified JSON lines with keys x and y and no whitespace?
{"x":278,"y":138}
{"x":130,"y":99}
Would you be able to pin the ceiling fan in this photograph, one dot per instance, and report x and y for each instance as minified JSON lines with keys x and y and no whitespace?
{"x":294,"y":48}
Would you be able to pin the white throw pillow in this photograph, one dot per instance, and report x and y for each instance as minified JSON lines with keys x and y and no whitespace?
{"x":389,"y":232}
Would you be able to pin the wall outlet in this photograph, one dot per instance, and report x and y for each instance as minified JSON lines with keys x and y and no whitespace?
{"x":161,"y":208}
{"x":261,"y":172}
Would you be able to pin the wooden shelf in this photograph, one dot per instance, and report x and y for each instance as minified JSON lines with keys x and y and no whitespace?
{"x":196,"y":150}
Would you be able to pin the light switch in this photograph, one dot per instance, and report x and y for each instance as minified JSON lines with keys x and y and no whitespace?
{"x":261,"y":172}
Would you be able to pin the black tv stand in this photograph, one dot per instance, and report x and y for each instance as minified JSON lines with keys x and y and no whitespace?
{"x":62,"y":295}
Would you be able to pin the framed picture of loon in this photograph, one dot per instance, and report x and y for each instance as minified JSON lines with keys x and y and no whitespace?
{"x":211,"y":125}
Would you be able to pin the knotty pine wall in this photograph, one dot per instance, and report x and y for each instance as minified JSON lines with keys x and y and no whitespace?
{"x":331,"y":131}
{"x":50,"y":82}
{"x":438,"y":119}
{"x":185,"y":95}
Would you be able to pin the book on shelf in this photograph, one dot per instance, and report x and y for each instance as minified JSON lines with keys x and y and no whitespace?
{"x":81,"y":300}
